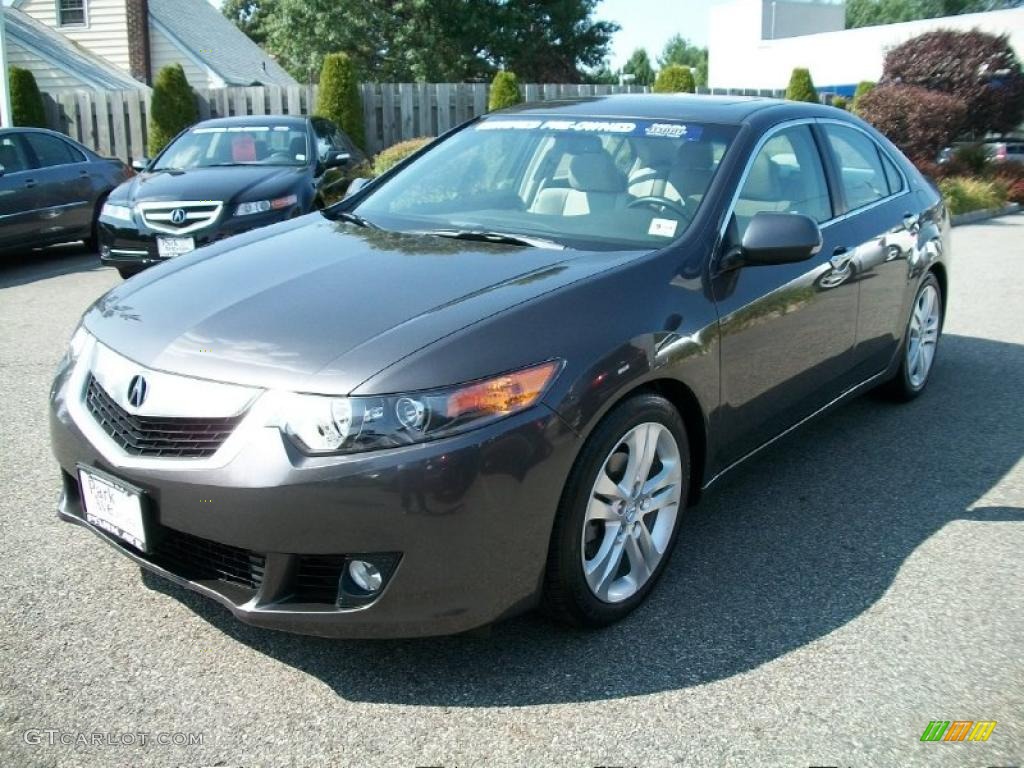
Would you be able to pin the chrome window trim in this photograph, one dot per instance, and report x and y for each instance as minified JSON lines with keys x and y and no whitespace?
{"x":208,"y":219}
{"x":778,"y":128}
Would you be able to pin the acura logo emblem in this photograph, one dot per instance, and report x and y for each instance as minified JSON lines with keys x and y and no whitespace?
{"x":137,"y":390}
{"x":178,"y":216}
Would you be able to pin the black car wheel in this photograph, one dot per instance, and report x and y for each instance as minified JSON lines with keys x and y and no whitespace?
{"x":92,"y":242}
{"x":619,"y":514}
{"x":920,"y":343}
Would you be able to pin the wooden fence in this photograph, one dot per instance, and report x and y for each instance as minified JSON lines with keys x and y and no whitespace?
{"x":114,"y":123}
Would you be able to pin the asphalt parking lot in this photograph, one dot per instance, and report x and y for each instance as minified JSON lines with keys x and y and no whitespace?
{"x":825,"y":602}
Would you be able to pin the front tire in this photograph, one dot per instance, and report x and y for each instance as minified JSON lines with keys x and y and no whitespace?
{"x":619,"y":515}
{"x":920,"y":343}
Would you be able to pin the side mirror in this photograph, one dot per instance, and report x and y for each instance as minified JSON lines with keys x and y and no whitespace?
{"x":355,"y":186}
{"x":140,"y":164}
{"x":775,"y":238}
{"x":337,"y":159}
{"x":2,"y":170}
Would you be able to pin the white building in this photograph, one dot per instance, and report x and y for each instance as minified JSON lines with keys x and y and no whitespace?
{"x":758,"y":43}
{"x":139,"y":37}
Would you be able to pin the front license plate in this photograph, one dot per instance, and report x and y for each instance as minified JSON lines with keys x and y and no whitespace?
{"x":113,"y":507}
{"x":169,"y":247}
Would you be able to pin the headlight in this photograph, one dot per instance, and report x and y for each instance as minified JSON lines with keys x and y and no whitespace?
{"x":321,"y":424}
{"x":262,"y":206}
{"x":119,"y":212}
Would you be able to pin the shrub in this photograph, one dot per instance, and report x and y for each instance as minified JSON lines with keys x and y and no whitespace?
{"x":840,"y":102}
{"x":675,"y":78}
{"x":395,"y":154}
{"x":964,"y":194}
{"x":864,"y":87}
{"x":338,"y":100}
{"x":504,"y":91}
{"x":918,"y":121}
{"x":173,"y":108}
{"x":1011,"y":176}
{"x":801,"y":87}
{"x":980,"y":69}
{"x":26,"y":101}
{"x":973,"y":158}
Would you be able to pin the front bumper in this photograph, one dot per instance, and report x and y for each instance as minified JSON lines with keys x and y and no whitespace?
{"x":134,"y":245}
{"x":470,"y":517}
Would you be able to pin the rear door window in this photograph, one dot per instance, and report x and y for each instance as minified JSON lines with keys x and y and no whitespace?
{"x":860,"y":166}
{"x":51,"y":151}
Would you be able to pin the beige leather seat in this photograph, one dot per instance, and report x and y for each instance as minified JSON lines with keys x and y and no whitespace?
{"x":595,"y":185}
{"x":649,"y":176}
{"x":692,"y":170}
{"x":762,"y":190}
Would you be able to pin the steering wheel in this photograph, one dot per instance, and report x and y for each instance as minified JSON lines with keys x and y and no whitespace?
{"x":279,"y":156}
{"x":661,"y":204}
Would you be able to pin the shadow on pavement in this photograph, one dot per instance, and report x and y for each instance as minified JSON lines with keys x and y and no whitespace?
{"x":787,"y":549}
{"x":24,"y":267}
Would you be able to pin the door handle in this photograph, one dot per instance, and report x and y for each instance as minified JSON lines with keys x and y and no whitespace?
{"x":841,"y":258}
{"x":30,"y":183}
{"x":910,"y":220}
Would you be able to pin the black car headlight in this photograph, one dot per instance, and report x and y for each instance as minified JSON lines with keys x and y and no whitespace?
{"x":329,"y":425}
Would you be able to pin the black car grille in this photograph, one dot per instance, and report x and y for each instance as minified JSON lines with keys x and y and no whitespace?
{"x":199,"y":559}
{"x":154,"y":435}
{"x":316,"y":578}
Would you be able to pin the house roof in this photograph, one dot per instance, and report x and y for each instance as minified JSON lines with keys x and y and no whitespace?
{"x":52,"y":46}
{"x":210,"y":37}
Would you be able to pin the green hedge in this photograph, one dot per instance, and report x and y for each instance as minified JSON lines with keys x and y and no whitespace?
{"x":504,"y":91}
{"x":173,"y":108}
{"x":26,"y":101}
{"x":339,"y":98}
{"x":864,"y":87}
{"x":675,"y":78}
{"x":801,"y":87}
{"x":395,"y":154}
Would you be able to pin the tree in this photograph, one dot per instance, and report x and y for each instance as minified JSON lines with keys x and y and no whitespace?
{"x":679,"y":50}
{"x":504,"y":91}
{"x":980,"y":69}
{"x":863,"y":13}
{"x":338,"y":99}
{"x":639,"y":65}
{"x":920,"y":122}
{"x":26,"y":101}
{"x":864,"y":87}
{"x":675,"y":78}
{"x":801,"y":87}
{"x":250,"y":16}
{"x":173,"y":108}
{"x":603,"y":75}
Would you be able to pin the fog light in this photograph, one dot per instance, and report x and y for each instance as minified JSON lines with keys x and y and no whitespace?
{"x":365,"y":575}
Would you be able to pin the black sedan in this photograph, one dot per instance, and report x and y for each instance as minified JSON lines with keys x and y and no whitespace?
{"x":496,"y":376}
{"x":51,"y":188}
{"x":221,"y":177}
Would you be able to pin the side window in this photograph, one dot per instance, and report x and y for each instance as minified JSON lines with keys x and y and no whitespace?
{"x":50,"y":150}
{"x":891,"y":174}
{"x":786,"y":176}
{"x":12,"y":154}
{"x":322,"y":129}
{"x":860,"y":166}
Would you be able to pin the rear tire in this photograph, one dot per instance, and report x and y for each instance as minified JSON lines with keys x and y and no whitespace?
{"x":920,"y":343}
{"x":619,"y":515}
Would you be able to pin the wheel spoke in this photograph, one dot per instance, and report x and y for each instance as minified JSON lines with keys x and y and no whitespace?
{"x":607,"y":488}
{"x":605,"y":566}
{"x":640,"y":569}
{"x":666,"y":478}
{"x":605,"y":511}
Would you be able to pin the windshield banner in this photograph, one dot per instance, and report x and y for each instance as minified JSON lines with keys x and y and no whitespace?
{"x":664,"y":129}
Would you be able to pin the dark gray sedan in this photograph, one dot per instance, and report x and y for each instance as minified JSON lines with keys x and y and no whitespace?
{"x":51,"y":188}
{"x":497,"y":376}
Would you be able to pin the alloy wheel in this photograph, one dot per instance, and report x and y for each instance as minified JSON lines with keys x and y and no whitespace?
{"x":924,"y":335}
{"x":631,"y":512}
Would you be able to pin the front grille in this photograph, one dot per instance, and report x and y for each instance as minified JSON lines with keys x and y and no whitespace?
{"x":199,"y":559}
{"x":181,"y":217}
{"x":316,"y":578}
{"x":157,"y":435}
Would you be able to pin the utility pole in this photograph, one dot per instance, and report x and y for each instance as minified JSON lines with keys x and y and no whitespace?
{"x":6,"y":120}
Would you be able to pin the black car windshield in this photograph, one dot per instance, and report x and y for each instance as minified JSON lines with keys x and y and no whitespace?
{"x":594,"y":183}
{"x":256,"y":144}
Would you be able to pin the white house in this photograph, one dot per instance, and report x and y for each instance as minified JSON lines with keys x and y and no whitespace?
{"x":139,"y":37}
{"x":758,"y":43}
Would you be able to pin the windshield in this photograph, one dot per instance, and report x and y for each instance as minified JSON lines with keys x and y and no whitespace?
{"x":256,"y":144}
{"x":599,"y":184}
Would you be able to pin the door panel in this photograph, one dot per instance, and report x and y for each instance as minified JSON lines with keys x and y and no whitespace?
{"x":18,"y":198}
{"x":787,"y":331}
{"x":65,"y":204}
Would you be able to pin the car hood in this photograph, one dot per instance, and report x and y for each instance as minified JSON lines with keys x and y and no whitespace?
{"x":315,"y":305}
{"x":234,"y":184}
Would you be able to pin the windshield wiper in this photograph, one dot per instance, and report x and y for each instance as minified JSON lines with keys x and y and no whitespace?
{"x":484,"y":236}
{"x":356,"y":219}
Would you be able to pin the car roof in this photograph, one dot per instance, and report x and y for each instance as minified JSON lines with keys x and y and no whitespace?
{"x":239,"y":120}
{"x":729,"y":110}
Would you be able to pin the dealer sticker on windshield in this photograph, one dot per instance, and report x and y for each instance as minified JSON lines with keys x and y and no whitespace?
{"x":663,"y":227}
{"x":649,"y":128}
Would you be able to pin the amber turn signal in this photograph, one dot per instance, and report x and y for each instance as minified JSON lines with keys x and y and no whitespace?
{"x":503,"y":394}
